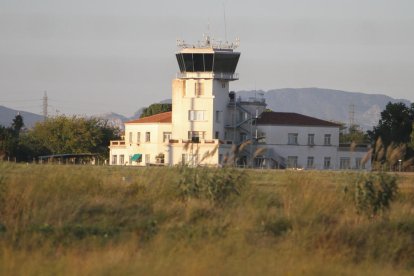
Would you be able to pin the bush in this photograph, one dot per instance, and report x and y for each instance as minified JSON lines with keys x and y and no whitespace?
{"x":372,"y":193}
{"x":216,"y":185}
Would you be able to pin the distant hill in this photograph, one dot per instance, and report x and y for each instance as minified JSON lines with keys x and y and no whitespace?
{"x":7,"y":115}
{"x":327,"y":104}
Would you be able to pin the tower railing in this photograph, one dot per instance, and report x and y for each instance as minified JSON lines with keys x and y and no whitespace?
{"x":207,"y":75}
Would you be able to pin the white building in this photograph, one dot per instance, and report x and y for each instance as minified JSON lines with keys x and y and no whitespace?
{"x":208,"y":125}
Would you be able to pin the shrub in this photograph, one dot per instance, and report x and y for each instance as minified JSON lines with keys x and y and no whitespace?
{"x":372,"y":193}
{"x":216,"y":185}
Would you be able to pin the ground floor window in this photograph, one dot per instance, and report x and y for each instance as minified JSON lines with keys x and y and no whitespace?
{"x":310,"y":162}
{"x":114,"y":159}
{"x":327,"y":163}
{"x":358,"y":164}
{"x":121,"y":159}
{"x":292,"y":162}
{"x":344,"y":163}
{"x":147,"y":159}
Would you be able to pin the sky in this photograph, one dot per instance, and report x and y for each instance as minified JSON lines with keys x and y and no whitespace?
{"x":98,"y":56}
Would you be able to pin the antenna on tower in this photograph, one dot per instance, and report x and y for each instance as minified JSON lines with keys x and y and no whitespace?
{"x":225,"y":23}
{"x":45,"y":106}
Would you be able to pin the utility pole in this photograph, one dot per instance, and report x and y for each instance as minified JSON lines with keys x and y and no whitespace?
{"x":45,"y":106}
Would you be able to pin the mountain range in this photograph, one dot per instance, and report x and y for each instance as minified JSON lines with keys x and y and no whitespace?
{"x":327,"y":104}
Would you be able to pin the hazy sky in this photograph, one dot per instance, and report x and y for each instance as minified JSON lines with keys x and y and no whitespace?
{"x":96,"y":56}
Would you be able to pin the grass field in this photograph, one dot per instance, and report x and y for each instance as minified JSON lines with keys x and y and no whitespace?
{"x":84,"y":220}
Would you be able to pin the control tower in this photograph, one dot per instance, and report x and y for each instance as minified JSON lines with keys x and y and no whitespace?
{"x":200,"y":93}
{"x":201,"y":90}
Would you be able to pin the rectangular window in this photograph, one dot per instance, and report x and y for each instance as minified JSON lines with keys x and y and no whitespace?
{"x":147,"y":159}
{"x":184,"y":159}
{"x":292,"y":138}
{"x":292,"y":162}
{"x":130,"y":138}
{"x":138,"y":137}
{"x":358,"y":164}
{"x":344,"y":163}
{"x":311,"y":139}
{"x":243,"y":137}
{"x":197,"y":115}
{"x":199,"y":89}
{"x":166,"y":136}
{"x":121,"y":159}
{"x":195,"y":134}
{"x":220,"y":158}
{"x":327,"y":163}
{"x":309,"y":164}
{"x":327,"y":140}
{"x":216,"y":135}
{"x":218,"y":116}
{"x":147,"y":136}
{"x":114,"y":159}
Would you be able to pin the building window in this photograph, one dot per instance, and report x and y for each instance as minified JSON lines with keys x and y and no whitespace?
{"x":220,"y":158}
{"x":196,"y":115}
{"x":223,"y":84}
{"x":243,"y":137}
{"x":344,"y":163}
{"x":327,"y":140}
{"x":218,"y":116}
{"x":114,"y":159}
{"x":217,"y":135}
{"x":311,"y":139}
{"x":147,"y":136}
{"x":310,"y":162}
{"x":130,"y":137}
{"x":138,"y":137}
{"x":121,"y":159}
{"x":327,"y":163}
{"x":358,"y":164}
{"x":147,"y":159}
{"x":183,"y":159}
{"x":199,"y":89}
{"x":292,"y":162}
{"x":292,"y":138}
{"x":194,"y":135}
{"x":166,"y":137}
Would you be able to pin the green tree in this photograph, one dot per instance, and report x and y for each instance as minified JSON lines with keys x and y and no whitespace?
{"x":156,"y":109}
{"x":353,"y":134}
{"x":61,"y":134}
{"x":9,"y":138}
{"x":395,"y":125}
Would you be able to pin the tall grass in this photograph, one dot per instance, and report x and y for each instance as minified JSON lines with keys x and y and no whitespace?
{"x":106,"y":220}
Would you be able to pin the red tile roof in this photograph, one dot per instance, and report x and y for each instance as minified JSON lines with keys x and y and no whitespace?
{"x":294,"y":119}
{"x":157,"y":118}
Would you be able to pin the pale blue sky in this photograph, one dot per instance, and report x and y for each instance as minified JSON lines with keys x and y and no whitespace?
{"x":95,"y":56}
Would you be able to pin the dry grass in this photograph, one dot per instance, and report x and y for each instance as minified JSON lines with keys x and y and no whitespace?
{"x":66,"y":220}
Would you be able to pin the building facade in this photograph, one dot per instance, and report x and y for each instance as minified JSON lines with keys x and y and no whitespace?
{"x":210,"y":126}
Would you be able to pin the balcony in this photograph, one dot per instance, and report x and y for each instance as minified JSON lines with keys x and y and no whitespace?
{"x":208,"y":75}
{"x":119,"y":143}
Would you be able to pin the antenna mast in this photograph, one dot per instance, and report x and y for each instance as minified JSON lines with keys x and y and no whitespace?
{"x":45,"y":106}
{"x":225,"y":23}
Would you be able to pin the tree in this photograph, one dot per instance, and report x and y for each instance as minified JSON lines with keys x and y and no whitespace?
{"x":61,"y":134}
{"x":156,"y":109}
{"x":392,"y":137}
{"x":395,"y":125}
{"x":9,"y":138}
{"x":353,"y":134}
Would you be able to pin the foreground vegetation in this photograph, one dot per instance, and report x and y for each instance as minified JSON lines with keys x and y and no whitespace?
{"x":105,"y":220}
